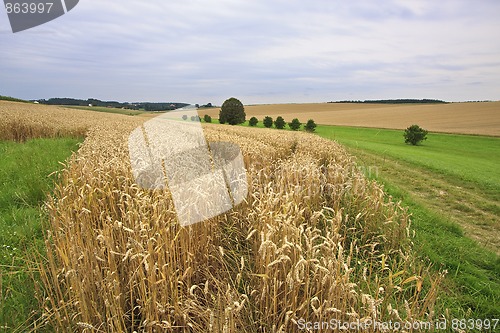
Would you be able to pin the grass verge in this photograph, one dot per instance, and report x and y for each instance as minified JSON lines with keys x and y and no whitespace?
{"x":25,"y":173}
{"x":451,"y":186}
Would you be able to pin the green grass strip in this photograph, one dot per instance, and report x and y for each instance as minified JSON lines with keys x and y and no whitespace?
{"x":24,"y":184}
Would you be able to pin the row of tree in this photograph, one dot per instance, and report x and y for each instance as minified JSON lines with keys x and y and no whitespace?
{"x":233,"y":112}
{"x":161,"y":106}
{"x":280,"y":123}
{"x":206,"y":118}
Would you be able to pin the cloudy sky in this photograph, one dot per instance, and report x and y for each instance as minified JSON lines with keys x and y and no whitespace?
{"x":260,"y":51}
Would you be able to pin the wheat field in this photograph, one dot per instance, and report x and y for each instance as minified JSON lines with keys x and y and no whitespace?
{"x":463,"y":118}
{"x":313,"y":240}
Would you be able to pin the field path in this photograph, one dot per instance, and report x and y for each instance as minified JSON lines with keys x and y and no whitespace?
{"x":467,"y":204}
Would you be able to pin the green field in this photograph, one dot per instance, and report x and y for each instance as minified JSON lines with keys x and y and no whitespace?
{"x":451,"y":184}
{"x":466,"y":157}
{"x":25,"y":174}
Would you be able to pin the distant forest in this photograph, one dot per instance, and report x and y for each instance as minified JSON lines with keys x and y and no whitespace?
{"x":147,"y":106}
{"x":396,"y":101}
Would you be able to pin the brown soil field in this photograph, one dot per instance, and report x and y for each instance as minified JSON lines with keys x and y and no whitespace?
{"x":468,"y":118}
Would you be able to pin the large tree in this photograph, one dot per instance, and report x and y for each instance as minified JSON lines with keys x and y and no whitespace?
{"x":232,"y":112}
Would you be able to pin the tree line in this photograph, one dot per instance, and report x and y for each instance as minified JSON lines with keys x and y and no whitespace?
{"x":233,"y":112}
{"x":147,"y":106}
{"x":396,"y":101}
{"x":12,"y":99}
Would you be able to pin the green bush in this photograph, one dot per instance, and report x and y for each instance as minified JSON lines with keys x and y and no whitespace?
{"x":184,"y":117}
{"x":415,"y":134}
{"x":268,"y":122}
{"x":207,"y":118}
{"x":295,"y":124}
{"x":253,"y":121}
{"x":279,"y":123}
{"x":310,"y":126}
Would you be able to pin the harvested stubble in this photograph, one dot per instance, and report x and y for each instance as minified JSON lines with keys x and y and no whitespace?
{"x":314,"y":240}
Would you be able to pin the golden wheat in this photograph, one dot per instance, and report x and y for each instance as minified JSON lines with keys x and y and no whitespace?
{"x":23,"y":121}
{"x":314,"y":240}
